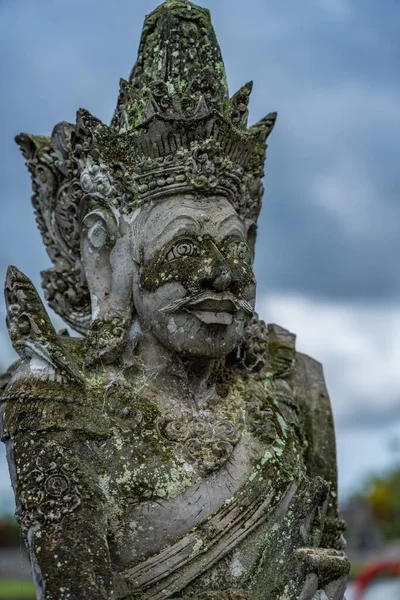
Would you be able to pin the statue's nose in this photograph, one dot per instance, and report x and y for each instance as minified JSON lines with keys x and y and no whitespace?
{"x":222,"y":280}
{"x":217,"y":273}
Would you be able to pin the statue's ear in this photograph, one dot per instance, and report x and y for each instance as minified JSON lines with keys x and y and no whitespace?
{"x":104,"y":251}
{"x":98,"y":235}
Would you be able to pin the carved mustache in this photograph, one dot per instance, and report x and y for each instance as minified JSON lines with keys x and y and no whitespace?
{"x":210,"y":297}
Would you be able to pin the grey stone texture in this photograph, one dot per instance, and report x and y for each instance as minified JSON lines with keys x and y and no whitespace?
{"x":180,"y":448}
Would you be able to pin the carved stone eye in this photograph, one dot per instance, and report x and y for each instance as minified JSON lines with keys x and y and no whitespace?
{"x":181,"y":249}
{"x":240,"y":251}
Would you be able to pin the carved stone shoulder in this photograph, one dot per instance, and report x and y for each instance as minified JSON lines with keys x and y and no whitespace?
{"x":312,"y":395}
{"x":309,"y":388}
{"x":281,"y":351}
{"x":307,"y":407}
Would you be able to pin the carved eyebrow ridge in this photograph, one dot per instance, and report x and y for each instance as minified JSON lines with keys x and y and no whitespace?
{"x":224,"y":222}
{"x":180,"y":218}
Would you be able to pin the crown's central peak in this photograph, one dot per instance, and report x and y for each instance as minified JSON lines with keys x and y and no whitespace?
{"x":179,"y":62}
{"x":171,"y":4}
{"x":179,"y":5}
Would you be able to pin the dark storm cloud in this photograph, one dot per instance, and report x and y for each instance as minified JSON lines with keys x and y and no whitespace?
{"x":377,"y":417}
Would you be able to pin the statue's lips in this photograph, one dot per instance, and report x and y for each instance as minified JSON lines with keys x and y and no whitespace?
{"x":213,"y":309}
{"x":213,"y":304}
{"x":214,"y":318}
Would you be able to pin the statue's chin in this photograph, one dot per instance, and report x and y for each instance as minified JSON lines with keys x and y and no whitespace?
{"x":200,"y":334}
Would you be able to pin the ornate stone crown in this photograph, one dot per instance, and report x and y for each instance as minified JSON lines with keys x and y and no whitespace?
{"x":175,"y":130}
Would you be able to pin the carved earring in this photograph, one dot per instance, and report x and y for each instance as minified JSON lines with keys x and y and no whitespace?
{"x":109,"y":289}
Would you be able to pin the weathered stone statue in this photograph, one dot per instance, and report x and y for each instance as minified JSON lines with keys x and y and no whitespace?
{"x":180,"y":448}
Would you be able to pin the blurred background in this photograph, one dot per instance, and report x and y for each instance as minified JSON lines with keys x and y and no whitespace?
{"x":328,"y":245}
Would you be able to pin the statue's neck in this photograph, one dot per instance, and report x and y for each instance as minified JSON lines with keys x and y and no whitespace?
{"x":186,"y":380}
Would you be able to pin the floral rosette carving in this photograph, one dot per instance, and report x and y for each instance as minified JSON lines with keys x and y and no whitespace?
{"x":96,"y":181}
{"x":106,"y":337}
{"x":260,"y":420}
{"x":50,"y":487}
{"x":208,"y":444}
{"x":176,"y":430}
{"x":205,"y":166}
{"x":118,"y":399}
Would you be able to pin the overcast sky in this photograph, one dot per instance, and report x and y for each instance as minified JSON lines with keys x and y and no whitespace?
{"x":329,"y":244}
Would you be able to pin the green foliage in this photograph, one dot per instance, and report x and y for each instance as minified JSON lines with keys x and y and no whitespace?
{"x":382,"y":495}
{"x":10,"y":534}
{"x":18,"y":590}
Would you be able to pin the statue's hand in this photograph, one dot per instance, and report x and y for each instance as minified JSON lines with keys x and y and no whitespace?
{"x":30,"y":328}
{"x":321,"y":574}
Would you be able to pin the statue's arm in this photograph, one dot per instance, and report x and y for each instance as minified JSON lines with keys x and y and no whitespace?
{"x":53,"y":467}
{"x":314,"y":558}
{"x":49,"y":429}
{"x":312,"y":397}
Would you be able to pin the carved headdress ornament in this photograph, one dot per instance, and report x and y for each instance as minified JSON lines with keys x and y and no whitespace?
{"x":175,"y":129}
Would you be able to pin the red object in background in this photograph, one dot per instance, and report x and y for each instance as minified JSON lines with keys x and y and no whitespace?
{"x":364,"y":578}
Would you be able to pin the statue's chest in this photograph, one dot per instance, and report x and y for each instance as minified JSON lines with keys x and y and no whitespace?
{"x":150,"y":460}
{"x":175,"y":482}
{"x":155,"y":454}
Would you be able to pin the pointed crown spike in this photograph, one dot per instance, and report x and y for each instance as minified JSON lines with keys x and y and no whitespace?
{"x":179,"y":59}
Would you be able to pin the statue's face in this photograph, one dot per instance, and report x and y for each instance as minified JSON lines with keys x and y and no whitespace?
{"x":194,"y":285}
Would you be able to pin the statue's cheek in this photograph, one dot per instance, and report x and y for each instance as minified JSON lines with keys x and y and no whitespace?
{"x":243,"y":277}
{"x":183,"y":271}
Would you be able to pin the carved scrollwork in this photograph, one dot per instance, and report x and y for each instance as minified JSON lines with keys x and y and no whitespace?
{"x":285,"y":401}
{"x":176,"y":430}
{"x":106,"y":338}
{"x":206,"y":167}
{"x":57,"y":198}
{"x":253,"y":354}
{"x":66,"y":295}
{"x":95,"y":180}
{"x":66,"y":224}
{"x":208,"y":443}
{"x":49,"y":485}
{"x":224,"y":430}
